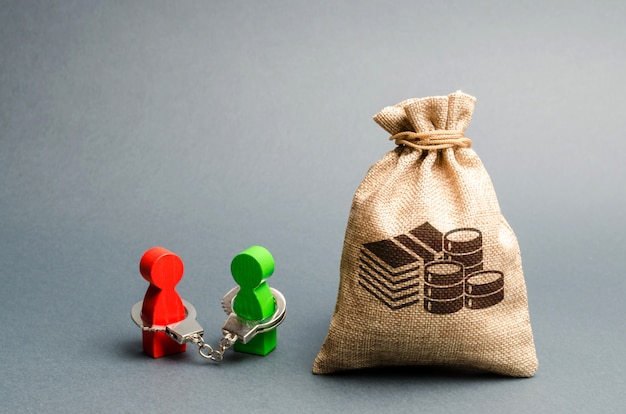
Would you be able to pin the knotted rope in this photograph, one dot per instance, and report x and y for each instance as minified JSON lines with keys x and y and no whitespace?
{"x":432,"y":140}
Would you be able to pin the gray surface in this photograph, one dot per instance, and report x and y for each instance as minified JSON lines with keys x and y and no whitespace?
{"x":210,"y":127}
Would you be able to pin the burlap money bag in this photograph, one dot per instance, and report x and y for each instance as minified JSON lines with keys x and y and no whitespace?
{"x":431,"y":272}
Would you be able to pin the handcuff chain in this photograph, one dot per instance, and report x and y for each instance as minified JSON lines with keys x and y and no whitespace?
{"x":206,"y":351}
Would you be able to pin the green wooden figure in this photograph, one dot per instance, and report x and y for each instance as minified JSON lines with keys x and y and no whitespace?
{"x":254,"y":301}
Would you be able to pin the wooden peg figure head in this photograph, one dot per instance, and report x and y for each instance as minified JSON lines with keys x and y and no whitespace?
{"x":161,"y":268}
{"x":252,"y":266}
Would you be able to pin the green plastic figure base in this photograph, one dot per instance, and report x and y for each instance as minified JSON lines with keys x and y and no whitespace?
{"x":262,"y":344}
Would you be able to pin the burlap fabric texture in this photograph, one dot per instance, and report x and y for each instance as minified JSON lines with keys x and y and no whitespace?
{"x":431,"y":272}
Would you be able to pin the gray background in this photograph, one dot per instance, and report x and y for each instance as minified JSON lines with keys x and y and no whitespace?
{"x":207,"y":127}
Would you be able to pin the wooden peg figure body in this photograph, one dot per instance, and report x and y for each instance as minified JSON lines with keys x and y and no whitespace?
{"x":162,"y":305}
{"x":254,"y":301}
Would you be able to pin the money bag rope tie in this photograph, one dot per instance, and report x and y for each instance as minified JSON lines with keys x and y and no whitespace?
{"x":432,"y":140}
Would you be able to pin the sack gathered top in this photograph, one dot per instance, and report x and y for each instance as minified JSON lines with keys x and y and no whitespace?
{"x":431,"y":272}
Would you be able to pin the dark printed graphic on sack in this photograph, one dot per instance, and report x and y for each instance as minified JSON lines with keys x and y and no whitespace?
{"x":444,"y":270}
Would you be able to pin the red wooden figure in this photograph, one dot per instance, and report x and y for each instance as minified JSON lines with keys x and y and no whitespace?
{"x":162,"y":305}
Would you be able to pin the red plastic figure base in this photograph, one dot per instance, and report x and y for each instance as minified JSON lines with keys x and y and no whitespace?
{"x":158,"y":344}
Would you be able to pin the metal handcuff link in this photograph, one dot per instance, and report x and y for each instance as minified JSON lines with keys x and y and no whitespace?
{"x":235,"y":328}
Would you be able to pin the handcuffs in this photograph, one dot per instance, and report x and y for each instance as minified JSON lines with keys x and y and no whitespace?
{"x":235,"y":328}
